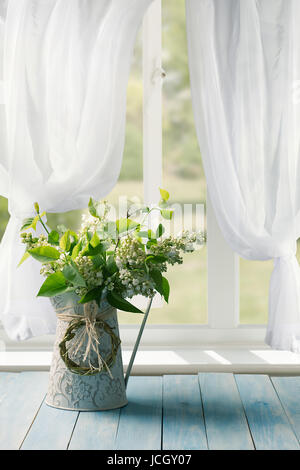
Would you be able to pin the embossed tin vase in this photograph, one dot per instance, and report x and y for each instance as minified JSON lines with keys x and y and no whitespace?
{"x":68,"y":389}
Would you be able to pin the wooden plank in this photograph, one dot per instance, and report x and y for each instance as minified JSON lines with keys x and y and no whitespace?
{"x":183,"y":423}
{"x":140,"y":423}
{"x":6,"y":383}
{"x":267,"y":420}
{"x":95,"y":430}
{"x":288,"y":390}
{"x":19,"y":407}
{"x":51,"y":429}
{"x":225,"y":420}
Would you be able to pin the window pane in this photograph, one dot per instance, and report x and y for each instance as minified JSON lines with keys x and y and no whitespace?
{"x":130,"y":184}
{"x":183,"y":174}
{"x":254,"y":290}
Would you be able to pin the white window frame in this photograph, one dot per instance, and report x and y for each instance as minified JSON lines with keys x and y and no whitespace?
{"x":223,"y":326}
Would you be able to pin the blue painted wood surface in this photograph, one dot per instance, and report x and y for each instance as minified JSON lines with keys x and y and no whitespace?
{"x":95,"y":430}
{"x":225,"y":420}
{"x":51,"y":429}
{"x":6,"y":383}
{"x":20,"y":406}
{"x":288,"y":390}
{"x":183,"y":423}
{"x":267,"y":420}
{"x":140,"y":423}
{"x":272,"y":410}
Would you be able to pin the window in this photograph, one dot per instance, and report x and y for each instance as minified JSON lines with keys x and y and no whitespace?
{"x":254,"y":286}
{"x":210,"y":300}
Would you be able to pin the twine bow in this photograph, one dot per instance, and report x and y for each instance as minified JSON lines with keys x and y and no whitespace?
{"x":87,"y":329}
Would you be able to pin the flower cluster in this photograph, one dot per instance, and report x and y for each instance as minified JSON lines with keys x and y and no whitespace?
{"x":117,"y":259}
{"x":171,"y":248}
{"x":92,"y":276}
{"x":33,"y":242}
{"x":54,"y":266}
{"x":136,"y":283}
{"x":130,"y":253}
{"x":90,"y":222}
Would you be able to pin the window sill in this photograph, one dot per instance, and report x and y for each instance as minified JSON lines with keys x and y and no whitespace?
{"x":177,"y":361}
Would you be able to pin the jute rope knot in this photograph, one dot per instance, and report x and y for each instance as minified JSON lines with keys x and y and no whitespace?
{"x":87,"y":329}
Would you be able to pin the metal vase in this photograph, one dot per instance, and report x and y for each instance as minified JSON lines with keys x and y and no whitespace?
{"x":71,"y":391}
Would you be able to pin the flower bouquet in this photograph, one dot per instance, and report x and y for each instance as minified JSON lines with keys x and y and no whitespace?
{"x":88,"y":275}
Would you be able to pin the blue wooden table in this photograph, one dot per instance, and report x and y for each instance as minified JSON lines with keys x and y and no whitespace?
{"x":183,"y":412}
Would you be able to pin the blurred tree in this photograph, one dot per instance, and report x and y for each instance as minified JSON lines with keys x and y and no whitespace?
{"x":181,"y":150}
{"x":3,"y":215}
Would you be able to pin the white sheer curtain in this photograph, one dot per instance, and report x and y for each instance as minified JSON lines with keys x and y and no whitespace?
{"x":64,"y":66}
{"x":244,"y":58}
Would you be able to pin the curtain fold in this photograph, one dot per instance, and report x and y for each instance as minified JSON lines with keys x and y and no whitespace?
{"x":244,"y":59}
{"x":64,"y":68}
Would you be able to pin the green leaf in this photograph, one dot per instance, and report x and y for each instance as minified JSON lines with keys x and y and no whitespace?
{"x":26,"y":223}
{"x":137,"y":237}
{"x":76,"y":250}
{"x":95,"y":240}
{"x":32,"y":225}
{"x":165,"y":288}
{"x":164,"y":194}
{"x":94,"y":294}
{"x":167,"y":214}
{"x":160,"y":230}
{"x":72,"y":274}
{"x":117,"y":301}
{"x":89,"y":250}
{"x":44,"y":254}
{"x":111,"y":265}
{"x":151,"y":235}
{"x":54,"y":284}
{"x":34,"y":222}
{"x":96,"y":208}
{"x":161,"y":284}
{"x":151,"y":243}
{"x":124,"y":225}
{"x":98,"y":261}
{"x":65,"y":242}
{"x":73,"y":236}
{"x":156,"y":259}
{"x":92,"y":207}
{"x":53,"y":237}
{"x":142,"y":234}
{"x":157,"y":278}
{"x":31,"y":222}
{"x":24,"y":258}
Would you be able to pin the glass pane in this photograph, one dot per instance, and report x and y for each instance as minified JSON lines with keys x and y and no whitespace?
{"x":130,"y":184}
{"x":254,"y":290}
{"x":183,"y":174}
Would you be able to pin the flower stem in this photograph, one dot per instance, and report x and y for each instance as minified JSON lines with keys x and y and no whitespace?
{"x":40,"y":219}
